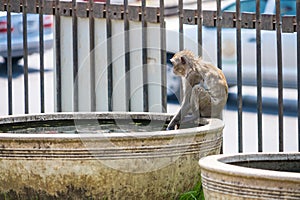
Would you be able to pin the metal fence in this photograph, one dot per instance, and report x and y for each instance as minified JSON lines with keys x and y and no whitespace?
{"x":125,"y":15}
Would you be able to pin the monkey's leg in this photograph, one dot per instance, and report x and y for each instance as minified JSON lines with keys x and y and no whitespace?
{"x":201,"y":102}
{"x":195,"y":120}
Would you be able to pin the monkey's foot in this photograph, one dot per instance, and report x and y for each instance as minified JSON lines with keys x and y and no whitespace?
{"x":201,"y":121}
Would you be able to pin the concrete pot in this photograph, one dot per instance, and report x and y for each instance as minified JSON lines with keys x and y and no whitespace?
{"x":251,"y":176}
{"x":102,"y":165}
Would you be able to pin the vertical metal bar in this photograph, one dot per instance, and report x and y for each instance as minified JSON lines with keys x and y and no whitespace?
{"x":219,"y":34}
{"x":199,"y":23}
{"x":25,"y":50}
{"x":144,"y":57}
{"x":109,"y":57}
{"x":42,"y":71}
{"x":58,"y":58}
{"x":239,"y":75}
{"x":279,"y":68}
{"x":75,"y":55}
{"x":92,"y":54}
{"x":181,"y":41}
{"x":9,"y":58}
{"x":163,"y":55}
{"x":127,"y":56}
{"x":259,"y":76}
{"x":298,"y":67}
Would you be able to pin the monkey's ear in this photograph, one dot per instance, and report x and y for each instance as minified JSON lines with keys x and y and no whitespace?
{"x":183,"y":60}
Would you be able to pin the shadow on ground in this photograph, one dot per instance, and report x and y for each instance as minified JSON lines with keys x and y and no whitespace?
{"x":17,"y":70}
{"x":269,"y":105}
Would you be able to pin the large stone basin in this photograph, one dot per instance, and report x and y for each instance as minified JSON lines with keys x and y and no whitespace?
{"x":41,"y":160}
{"x":251,"y":176}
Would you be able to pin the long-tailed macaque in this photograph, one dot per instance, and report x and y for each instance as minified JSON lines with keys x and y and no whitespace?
{"x":205,"y":89}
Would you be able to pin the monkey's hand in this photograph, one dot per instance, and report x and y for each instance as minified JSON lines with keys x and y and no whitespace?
{"x":172,"y":126}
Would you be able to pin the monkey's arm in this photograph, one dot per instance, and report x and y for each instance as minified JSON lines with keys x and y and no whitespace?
{"x":184,"y":109}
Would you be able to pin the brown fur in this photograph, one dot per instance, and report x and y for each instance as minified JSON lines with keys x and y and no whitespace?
{"x":204,"y":86}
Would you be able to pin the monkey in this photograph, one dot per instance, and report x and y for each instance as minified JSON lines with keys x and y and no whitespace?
{"x":205,"y":89}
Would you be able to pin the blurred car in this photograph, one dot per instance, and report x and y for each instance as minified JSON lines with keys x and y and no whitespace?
{"x":229,"y":58}
{"x":17,"y":49}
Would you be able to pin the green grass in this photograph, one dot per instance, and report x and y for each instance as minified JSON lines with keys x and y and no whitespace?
{"x":195,"y":194}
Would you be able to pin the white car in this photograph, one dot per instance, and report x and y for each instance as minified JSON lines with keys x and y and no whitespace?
{"x":17,"y":48}
{"x":229,"y":58}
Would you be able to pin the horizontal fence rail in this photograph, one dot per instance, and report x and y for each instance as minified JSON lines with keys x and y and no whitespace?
{"x":190,"y":16}
{"x":79,"y":28}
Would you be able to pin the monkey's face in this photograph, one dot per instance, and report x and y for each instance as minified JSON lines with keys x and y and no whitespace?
{"x":179,"y":68}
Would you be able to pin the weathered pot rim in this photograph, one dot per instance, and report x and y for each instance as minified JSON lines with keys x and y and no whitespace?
{"x":211,"y":126}
{"x":221,"y":164}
